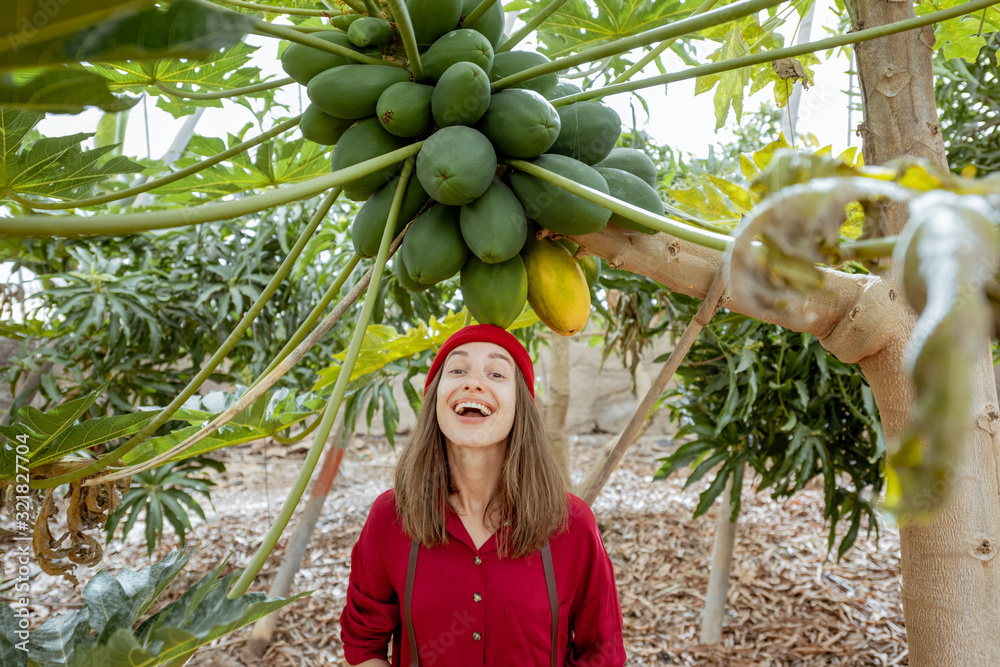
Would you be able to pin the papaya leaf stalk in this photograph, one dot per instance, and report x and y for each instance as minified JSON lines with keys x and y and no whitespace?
{"x":758,"y":58}
{"x":660,"y":48}
{"x":130,"y":223}
{"x":220,"y":354}
{"x":530,"y":26}
{"x":689,"y":233}
{"x":299,"y":37}
{"x":333,"y":405}
{"x":271,"y":9}
{"x":687,"y":26}
{"x":224,"y":94}
{"x":163,"y":180}
{"x":478,"y":12}
{"x":405,"y":27}
{"x":312,"y":318}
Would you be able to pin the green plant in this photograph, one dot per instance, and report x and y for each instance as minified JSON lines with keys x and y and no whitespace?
{"x":163,"y":494}
{"x":756,"y":396}
{"x":104,"y":631}
{"x":968,"y":97}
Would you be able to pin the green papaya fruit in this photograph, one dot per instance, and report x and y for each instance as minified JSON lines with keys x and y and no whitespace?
{"x":495,"y":293}
{"x":433,"y":18}
{"x":511,"y":62}
{"x":461,"y":96}
{"x":633,"y":161}
{"x":363,"y":141}
{"x":520,"y":123}
{"x":494,"y":226}
{"x":433,"y":249}
{"x":562,"y":89}
{"x":455,"y":47}
{"x":344,"y":21}
{"x":318,"y":126}
{"x":632,"y":189}
{"x":456,"y":165}
{"x":302,"y":63}
{"x":589,"y":130}
{"x":490,"y":24}
{"x":404,"y":109}
{"x":556,"y":209}
{"x":369,"y":223}
{"x":352,"y":91}
{"x":403,"y":276}
{"x":370,"y":31}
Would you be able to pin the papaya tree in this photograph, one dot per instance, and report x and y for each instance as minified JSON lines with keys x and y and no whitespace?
{"x":473,"y":158}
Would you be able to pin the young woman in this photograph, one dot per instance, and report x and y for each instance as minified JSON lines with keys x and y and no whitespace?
{"x":479,"y":556}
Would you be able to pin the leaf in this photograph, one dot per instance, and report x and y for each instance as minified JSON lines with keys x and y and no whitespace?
{"x":56,"y":167}
{"x":961,"y":36}
{"x":64,"y":90}
{"x":578,"y":25}
{"x":184,"y":29}
{"x":729,"y":93}
{"x":90,"y":433}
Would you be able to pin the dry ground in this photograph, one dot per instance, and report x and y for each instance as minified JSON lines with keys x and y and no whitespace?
{"x":788,"y":603}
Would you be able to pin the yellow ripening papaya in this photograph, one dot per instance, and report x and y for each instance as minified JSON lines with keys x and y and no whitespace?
{"x":557,"y":287}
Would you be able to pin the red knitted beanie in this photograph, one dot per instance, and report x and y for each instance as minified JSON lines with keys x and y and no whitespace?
{"x":486,"y":333}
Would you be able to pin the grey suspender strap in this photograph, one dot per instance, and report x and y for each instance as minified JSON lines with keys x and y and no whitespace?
{"x":550,"y":584}
{"x":411,"y":573}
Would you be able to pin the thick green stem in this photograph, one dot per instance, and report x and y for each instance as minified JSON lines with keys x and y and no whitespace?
{"x":293,"y":35}
{"x":530,"y":26}
{"x":478,"y":12}
{"x":663,"y":46}
{"x":220,"y":354}
{"x":659,"y":223}
{"x":405,"y":28}
{"x":164,"y":180}
{"x":224,"y":94}
{"x":769,"y":56}
{"x":333,"y":406}
{"x":130,"y":223}
{"x":270,"y":9}
{"x":677,"y":29}
{"x":313,"y":317}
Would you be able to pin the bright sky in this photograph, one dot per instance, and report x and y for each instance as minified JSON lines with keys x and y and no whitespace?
{"x":678,"y":118}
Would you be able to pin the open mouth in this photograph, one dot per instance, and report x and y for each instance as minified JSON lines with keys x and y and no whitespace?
{"x":472,"y":409}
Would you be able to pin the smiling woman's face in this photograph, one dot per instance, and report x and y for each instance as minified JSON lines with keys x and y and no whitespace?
{"x":476,"y":395}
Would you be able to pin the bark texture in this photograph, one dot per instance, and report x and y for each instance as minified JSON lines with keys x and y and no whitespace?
{"x":950,"y":578}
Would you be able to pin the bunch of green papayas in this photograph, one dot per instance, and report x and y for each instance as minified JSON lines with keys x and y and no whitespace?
{"x":468,"y":215}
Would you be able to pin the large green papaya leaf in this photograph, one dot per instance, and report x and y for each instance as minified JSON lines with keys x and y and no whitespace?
{"x":50,"y":32}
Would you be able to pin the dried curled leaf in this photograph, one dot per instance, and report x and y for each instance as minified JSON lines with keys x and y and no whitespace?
{"x":797,"y":228}
{"x":47,"y":550}
{"x":790,"y":167}
{"x":948,"y":253}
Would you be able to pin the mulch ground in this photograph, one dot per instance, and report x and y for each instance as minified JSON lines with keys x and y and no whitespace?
{"x":790,"y":602}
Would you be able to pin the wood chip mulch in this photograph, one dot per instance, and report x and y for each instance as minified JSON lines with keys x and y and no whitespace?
{"x":790,"y":602}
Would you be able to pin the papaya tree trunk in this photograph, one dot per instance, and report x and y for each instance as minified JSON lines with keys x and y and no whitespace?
{"x":950,"y":578}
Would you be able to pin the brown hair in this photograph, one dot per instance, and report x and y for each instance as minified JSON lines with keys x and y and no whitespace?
{"x":529,"y":505}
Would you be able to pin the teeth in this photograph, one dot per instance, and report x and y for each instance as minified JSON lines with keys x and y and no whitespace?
{"x":469,"y":405}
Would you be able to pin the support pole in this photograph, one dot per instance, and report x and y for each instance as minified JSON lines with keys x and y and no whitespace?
{"x":263,"y":629}
{"x":698,"y":322}
{"x":718,"y":579}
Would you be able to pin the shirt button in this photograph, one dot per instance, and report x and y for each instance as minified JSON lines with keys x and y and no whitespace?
{"x":476,"y":597}
{"x":477,"y":560}
{"x":476,"y":636}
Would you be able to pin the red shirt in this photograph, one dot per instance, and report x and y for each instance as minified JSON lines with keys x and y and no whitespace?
{"x":472,"y":608}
